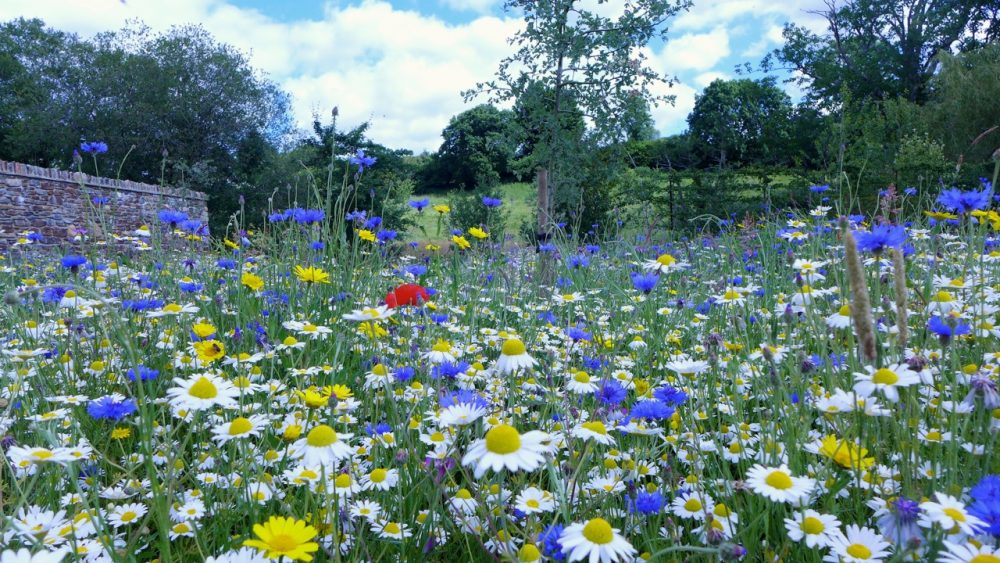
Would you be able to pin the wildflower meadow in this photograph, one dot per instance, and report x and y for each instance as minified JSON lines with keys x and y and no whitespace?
{"x":805,"y":386}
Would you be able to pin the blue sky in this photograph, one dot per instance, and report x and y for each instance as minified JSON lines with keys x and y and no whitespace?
{"x":403,"y":63}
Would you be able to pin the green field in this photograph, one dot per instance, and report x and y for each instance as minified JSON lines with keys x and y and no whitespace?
{"x":518,"y":202}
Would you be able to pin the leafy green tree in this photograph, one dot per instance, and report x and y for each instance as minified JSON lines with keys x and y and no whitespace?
{"x":587,"y":65}
{"x":477,"y":150}
{"x":742,"y":121}
{"x":179,"y":104}
{"x":882,"y":49}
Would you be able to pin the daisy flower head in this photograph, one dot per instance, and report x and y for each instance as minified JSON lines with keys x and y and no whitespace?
{"x":968,"y":553}
{"x":593,"y":430}
{"x":322,"y":446}
{"x":505,"y":447}
{"x":368,"y":314}
{"x":778,"y":484}
{"x":887,"y":380}
{"x":202,"y":391}
{"x":595,"y":540}
{"x":664,"y":264}
{"x":513,"y":356}
{"x":24,"y":556}
{"x":857,"y":545}
{"x":284,"y":537}
{"x":815,"y":529}
{"x":949,"y":513}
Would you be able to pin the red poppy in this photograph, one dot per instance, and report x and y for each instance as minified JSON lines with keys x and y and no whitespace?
{"x":407,"y":294}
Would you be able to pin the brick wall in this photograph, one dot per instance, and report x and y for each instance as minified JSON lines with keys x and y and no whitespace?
{"x":53,"y":201}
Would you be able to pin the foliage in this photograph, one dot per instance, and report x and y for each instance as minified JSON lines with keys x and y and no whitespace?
{"x":742,"y":121}
{"x":468,"y":210}
{"x":572,"y":61}
{"x":477,"y":151}
{"x":881,"y":50}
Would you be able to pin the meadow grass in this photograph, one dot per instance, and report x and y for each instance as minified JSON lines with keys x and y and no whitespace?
{"x":669,"y":399}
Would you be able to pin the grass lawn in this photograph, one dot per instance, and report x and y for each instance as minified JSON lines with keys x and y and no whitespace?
{"x":518,"y":200}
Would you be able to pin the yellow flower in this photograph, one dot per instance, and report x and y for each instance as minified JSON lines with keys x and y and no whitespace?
{"x":284,"y":537}
{"x":252,"y":281}
{"x":365,"y":234}
{"x":432,"y":248}
{"x":121,"y":433}
{"x":372,"y":330}
{"x":203,"y":330}
{"x":478,"y":233}
{"x":340,"y":391}
{"x":940,"y":215}
{"x":209,"y":350}
{"x":231,"y":244}
{"x":461,"y":242}
{"x":311,"y":275}
{"x":846,"y":454}
{"x":988,"y":216}
{"x":442,"y":208}
{"x":314,"y":399}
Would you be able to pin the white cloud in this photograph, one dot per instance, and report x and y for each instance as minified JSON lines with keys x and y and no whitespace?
{"x":695,"y":51}
{"x":672,"y":119}
{"x":706,"y":78}
{"x":711,"y":13}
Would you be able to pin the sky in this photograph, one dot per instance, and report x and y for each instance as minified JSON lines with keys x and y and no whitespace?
{"x":402,"y":64}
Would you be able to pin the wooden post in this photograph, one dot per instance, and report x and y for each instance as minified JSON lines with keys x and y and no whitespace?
{"x":543,"y":203}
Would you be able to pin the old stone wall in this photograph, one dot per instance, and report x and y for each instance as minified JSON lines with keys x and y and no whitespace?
{"x":53,"y":202}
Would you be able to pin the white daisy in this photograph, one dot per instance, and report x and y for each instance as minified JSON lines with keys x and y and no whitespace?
{"x":595,"y":540}
{"x":857,"y":545}
{"x":322,"y":446}
{"x":534,"y":500}
{"x":593,"y":430}
{"x":887,"y":380}
{"x":816,"y":529}
{"x":949,"y":512}
{"x":367,"y":314}
{"x":505,"y":447}
{"x":513,"y":356}
{"x":664,"y":264}
{"x":778,"y":484}
{"x":202,"y":391}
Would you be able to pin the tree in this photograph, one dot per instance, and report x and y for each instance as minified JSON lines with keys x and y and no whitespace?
{"x":178,"y":98}
{"x":742,"y":121}
{"x":477,"y":150}
{"x":882,"y":49}
{"x":578,"y":54}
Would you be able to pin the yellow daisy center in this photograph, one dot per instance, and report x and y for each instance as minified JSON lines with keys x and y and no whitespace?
{"x":532,"y":503}
{"x":884,"y":376}
{"x":812,"y":525}
{"x":845,"y":311}
{"x":598,"y":531}
{"x":378,"y":475}
{"x":985,"y":558}
{"x":239,"y":426}
{"x":596,"y":427}
{"x":528,"y":553}
{"x":128,"y":516}
{"x":779,"y":480}
{"x":731,"y":295}
{"x":503,"y":439}
{"x":692,"y":505}
{"x":666,"y":260}
{"x":955,"y":514}
{"x":203,"y":389}
{"x":321,"y":436}
{"x":858,"y":550}
{"x":343,"y":481}
{"x":391,"y":528}
{"x":463,"y":494}
{"x":513,"y":347}
{"x":441,"y":346}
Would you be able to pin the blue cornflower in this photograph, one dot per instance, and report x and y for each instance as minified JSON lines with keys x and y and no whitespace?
{"x":592,"y":248}
{"x":449,"y":369}
{"x":880,"y":238}
{"x":373,"y":223}
{"x":593,"y":363}
{"x":226,"y":263}
{"x":910,"y":191}
{"x":403,"y":374}
{"x":646,"y":503}
{"x":579,"y":261}
{"x":420,"y":204}
{"x":964,"y":202}
{"x":549,"y":538}
{"x":142,"y":373}
{"x":278,"y":217}
{"x":362,"y":160}
{"x":938,"y":326}
{"x":670,"y":396}
{"x":94,"y":147}
{"x":548,"y":316}
{"x":172,"y":217}
{"x":899,"y":523}
{"x":578,"y":334}
{"x":492,"y":201}
{"x":644,"y":282}
{"x":439,"y":318}
{"x":111,"y":407}
{"x":377,"y":429}
{"x":386,"y":235}
{"x":139,"y":305}
{"x":986,"y":503}
{"x":100,"y":200}
{"x":610,"y":392}
{"x":53,"y":294}
{"x":547,"y":247}
{"x":356,"y":215}
{"x":317,"y":245}
{"x":819,"y":189}
{"x":651,"y":409}
{"x":309,"y":216}
{"x":73,"y":262}
{"x":191,"y":286}
{"x":416,"y":270}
